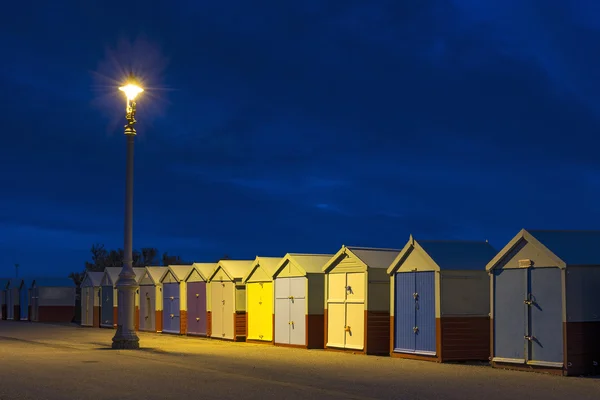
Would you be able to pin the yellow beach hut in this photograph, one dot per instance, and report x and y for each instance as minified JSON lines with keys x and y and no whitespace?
{"x":259,"y":299}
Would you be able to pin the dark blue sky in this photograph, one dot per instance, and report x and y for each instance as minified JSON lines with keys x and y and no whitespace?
{"x":273,"y":126}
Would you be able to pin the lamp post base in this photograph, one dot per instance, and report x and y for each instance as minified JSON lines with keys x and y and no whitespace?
{"x":125,"y":337}
{"x":122,"y":341}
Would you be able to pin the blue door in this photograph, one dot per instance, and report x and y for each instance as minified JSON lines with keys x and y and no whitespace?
{"x":510,"y":292}
{"x":107,"y":312}
{"x":415,"y":330}
{"x":405,"y":313}
{"x":545,"y":316}
{"x":425,"y":331}
{"x":171,"y":307}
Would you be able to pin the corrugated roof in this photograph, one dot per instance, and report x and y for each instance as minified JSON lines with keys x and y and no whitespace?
{"x":311,"y":263}
{"x":94,"y":277}
{"x":459,"y":255}
{"x":205,"y":269}
{"x":54,"y":282}
{"x":181,"y":271}
{"x":373,"y":257}
{"x":237,"y":269}
{"x":573,"y":247}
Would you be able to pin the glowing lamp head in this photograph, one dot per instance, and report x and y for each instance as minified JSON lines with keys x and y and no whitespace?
{"x":131,"y":91}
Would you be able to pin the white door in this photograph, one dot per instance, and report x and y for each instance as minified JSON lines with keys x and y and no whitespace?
{"x":216,"y":294}
{"x":282,"y":310}
{"x":298,"y":311}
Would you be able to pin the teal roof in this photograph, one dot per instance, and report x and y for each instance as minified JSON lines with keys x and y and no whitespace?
{"x":573,"y":247}
{"x":459,"y":255}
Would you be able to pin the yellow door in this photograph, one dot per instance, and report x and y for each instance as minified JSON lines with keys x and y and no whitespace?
{"x":266,"y":308}
{"x":253,"y":291}
{"x":355,"y":310}
{"x":355,"y":326}
{"x":336,"y":315}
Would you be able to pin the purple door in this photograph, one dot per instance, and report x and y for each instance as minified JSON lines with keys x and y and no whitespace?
{"x":196,"y":300}
{"x":171,"y":307}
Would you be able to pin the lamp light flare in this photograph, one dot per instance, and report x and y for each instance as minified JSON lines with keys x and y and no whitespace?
{"x":131,"y":91}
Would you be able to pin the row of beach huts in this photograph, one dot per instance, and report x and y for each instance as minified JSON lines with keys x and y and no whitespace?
{"x":534,"y":305}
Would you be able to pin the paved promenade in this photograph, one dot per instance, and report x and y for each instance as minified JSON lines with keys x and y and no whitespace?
{"x":43,"y":361}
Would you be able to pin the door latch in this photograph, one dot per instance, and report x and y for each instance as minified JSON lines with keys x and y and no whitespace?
{"x":172,"y":316}
{"x":197,"y":319}
{"x":347,"y":328}
{"x":415,"y":329}
{"x":172,"y":298}
{"x":349,"y":289}
{"x":197,"y":295}
{"x":223,"y":301}
{"x":415,"y":295}
{"x":530,"y":338}
{"x":291,"y":323}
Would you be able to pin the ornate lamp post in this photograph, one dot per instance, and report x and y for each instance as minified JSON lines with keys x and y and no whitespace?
{"x":125,"y":336}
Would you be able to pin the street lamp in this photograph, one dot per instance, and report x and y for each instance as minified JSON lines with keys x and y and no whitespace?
{"x":125,"y":336}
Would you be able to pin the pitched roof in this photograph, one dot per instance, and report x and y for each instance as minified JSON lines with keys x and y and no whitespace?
{"x":268,"y":264}
{"x":205,"y":269}
{"x":458,"y":254}
{"x":26,"y":282}
{"x":13,"y":283}
{"x":371,"y":257}
{"x":113,"y":273}
{"x":53,"y":282}
{"x":180,"y":271}
{"x":374,"y":258}
{"x":573,"y":247}
{"x":563,"y":247}
{"x":235,"y":269}
{"x":156,"y":273}
{"x":139,"y":273}
{"x":310,"y":263}
{"x":94,"y":277}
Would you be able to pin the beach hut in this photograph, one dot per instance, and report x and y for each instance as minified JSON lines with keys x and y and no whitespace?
{"x":228,"y":300}
{"x":299,"y":300}
{"x":198,"y":294}
{"x":259,"y":299}
{"x":175,"y":298}
{"x":53,"y":300}
{"x":139,"y":273}
{"x":13,"y":310}
{"x":3,"y":283}
{"x":90,"y":299}
{"x":24,"y":298}
{"x":546,"y":302}
{"x":440,"y":301}
{"x":108,"y":293}
{"x":357,"y":300}
{"x":151,"y":299}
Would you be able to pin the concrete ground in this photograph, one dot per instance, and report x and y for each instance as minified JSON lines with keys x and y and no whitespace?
{"x":43,"y":361}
